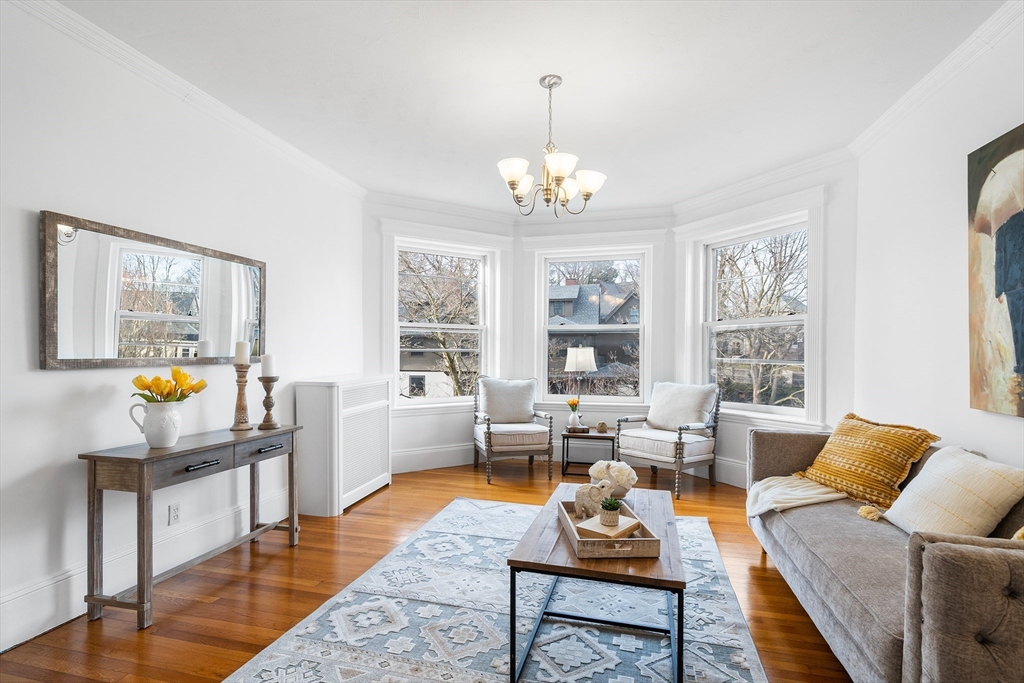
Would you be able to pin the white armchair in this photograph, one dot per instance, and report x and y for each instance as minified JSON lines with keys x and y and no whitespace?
{"x":505,"y":424}
{"x":679,"y":430}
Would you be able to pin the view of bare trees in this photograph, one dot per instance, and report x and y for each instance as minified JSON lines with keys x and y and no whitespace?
{"x":439,"y":318}
{"x":757,"y":333}
{"x":159,"y":307}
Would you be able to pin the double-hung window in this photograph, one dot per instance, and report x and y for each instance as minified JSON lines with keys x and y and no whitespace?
{"x":440,"y":328}
{"x":158,"y":309}
{"x":594,"y":304}
{"x":756,"y":318}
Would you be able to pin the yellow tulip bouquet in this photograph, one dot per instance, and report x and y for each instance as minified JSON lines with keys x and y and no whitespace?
{"x":160,"y":390}
{"x":574,"y":404}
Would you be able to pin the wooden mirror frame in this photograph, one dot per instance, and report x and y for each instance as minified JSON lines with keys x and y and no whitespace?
{"x":48,"y":360}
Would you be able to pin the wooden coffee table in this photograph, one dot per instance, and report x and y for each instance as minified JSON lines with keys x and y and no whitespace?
{"x":544,"y":549}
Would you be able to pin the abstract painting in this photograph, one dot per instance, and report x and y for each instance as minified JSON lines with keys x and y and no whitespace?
{"x":995,"y":215}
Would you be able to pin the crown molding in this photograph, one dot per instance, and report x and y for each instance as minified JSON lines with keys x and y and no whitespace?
{"x":598,"y":216}
{"x":442,"y":208}
{"x":76,"y":27}
{"x":779,"y":175}
{"x":1008,"y":17}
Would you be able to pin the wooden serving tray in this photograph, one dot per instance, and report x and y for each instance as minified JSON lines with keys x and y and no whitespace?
{"x":641,"y":543}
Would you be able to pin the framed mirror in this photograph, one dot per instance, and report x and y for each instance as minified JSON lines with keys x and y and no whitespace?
{"x":114,"y":298}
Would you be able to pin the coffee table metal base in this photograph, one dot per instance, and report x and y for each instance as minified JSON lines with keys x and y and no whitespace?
{"x":674,"y":630}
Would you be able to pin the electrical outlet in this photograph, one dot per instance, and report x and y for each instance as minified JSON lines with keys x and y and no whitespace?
{"x":173,"y":513}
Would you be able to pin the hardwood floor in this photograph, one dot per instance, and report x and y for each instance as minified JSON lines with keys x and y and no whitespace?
{"x":211,"y":619}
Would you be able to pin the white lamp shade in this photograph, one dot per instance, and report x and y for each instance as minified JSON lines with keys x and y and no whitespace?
{"x":560,"y":164}
{"x":513,"y":169}
{"x":525,"y":185}
{"x":590,"y":181}
{"x":580,"y":359}
{"x":570,"y":188}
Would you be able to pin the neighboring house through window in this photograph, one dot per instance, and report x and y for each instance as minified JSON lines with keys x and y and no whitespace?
{"x":595,"y":302}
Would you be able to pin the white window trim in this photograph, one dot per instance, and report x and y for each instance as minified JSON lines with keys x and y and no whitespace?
{"x":693,"y":241}
{"x":495,"y":252}
{"x":619,"y":252}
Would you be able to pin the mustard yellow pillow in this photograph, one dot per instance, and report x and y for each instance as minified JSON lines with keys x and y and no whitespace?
{"x":867,"y":460}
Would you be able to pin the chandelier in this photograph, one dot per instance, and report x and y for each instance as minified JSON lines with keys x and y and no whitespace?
{"x":556,"y":187}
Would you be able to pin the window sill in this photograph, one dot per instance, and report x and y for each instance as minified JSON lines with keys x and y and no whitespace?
{"x":759,"y":419}
{"x":590,"y":406}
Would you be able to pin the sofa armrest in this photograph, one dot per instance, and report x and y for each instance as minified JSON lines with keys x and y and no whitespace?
{"x":964,"y":613}
{"x":772,"y":453}
{"x":542,"y":415}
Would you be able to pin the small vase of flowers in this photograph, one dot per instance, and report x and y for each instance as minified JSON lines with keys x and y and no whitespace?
{"x":574,"y":415}
{"x":610,"y":511}
{"x":161,"y":423}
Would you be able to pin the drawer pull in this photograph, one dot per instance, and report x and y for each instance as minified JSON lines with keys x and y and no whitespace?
{"x":267,"y":449}
{"x":202,"y":465}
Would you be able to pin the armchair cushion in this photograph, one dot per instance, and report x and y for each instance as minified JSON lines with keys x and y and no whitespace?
{"x":673,"y":405}
{"x":660,"y":444}
{"x":507,"y":401}
{"x":524,"y":436}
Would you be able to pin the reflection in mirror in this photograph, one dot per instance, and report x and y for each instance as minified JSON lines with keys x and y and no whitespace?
{"x":128,"y":299}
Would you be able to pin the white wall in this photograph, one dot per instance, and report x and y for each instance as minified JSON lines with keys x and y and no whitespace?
{"x":911,"y":337}
{"x":84,"y":136}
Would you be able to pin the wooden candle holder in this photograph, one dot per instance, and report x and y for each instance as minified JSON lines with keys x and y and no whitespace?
{"x":241,"y":407}
{"x":268,"y":403}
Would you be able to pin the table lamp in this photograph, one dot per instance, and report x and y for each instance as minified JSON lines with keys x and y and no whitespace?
{"x":579,"y":360}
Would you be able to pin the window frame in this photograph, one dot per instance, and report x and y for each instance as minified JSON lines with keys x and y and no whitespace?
{"x":488,"y":302}
{"x":710,"y":326}
{"x":622,"y":252}
{"x":691,"y":238}
{"x":117,"y":277}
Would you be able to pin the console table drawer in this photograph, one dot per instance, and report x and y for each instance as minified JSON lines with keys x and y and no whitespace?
{"x":255,"y":451}
{"x":188,"y":467}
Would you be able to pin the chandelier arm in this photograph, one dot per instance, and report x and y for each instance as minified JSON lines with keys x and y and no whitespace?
{"x":576,"y":213}
{"x":532,"y":203}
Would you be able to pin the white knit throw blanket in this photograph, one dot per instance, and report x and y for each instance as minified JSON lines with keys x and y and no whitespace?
{"x":783,"y":493}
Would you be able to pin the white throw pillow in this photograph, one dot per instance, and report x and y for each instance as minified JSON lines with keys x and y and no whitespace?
{"x":957,"y":492}
{"x":673,"y":405}
{"x":507,"y":401}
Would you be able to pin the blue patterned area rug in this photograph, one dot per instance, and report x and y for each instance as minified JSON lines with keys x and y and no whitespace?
{"x":436,"y":609}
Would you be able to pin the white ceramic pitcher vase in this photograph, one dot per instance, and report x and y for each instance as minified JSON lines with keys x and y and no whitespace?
{"x":161,"y":423}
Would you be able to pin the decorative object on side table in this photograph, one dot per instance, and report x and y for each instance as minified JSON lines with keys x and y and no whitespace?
{"x":578,"y":360}
{"x":241,"y":379}
{"x":618,"y":473}
{"x":589,"y":497}
{"x":602,"y":427}
{"x":268,"y":378}
{"x":610,"y":511}
{"x":162,"y":422}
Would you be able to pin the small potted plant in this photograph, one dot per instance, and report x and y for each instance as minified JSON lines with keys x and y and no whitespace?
{"x":610,"y":511}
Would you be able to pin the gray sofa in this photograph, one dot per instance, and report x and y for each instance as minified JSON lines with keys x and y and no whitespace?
{"x":895,"y":607}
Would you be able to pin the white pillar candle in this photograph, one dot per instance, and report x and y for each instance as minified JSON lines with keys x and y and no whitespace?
{"x":205,"y":348}
{"x":241,"y":353}
{"x":268,"y":366}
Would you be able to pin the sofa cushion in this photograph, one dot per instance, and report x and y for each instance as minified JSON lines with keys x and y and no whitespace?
{"x":507,"y":400}
{"x":506,"y":437}
{"x":857,"y":567}
{"x":958,"y":493}
{"x":674,"y":405}
{"x":660,"y":444}
{"x":868,"y":460}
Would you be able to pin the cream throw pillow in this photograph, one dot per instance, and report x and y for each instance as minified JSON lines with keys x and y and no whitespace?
{"x":957,"y":492}
{"x":507,"y":401}
{"x":673,"y":405}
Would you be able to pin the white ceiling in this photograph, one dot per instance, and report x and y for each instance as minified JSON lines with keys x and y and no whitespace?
{"x":669,"y":99}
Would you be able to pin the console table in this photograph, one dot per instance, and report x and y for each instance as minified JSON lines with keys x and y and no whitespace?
{"x":141,"y":470}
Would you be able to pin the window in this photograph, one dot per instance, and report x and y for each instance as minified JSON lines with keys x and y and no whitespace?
{"x":439,"y":324}
{"x":756,"y":319}
{"x":158,"y":305}
{"x":600,"y":309}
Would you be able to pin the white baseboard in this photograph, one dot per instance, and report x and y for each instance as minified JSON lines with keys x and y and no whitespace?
{"x":431,"y":457}
{"x":36,"y":608}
